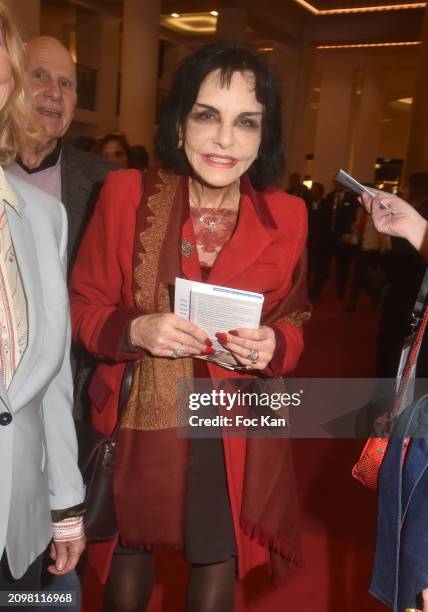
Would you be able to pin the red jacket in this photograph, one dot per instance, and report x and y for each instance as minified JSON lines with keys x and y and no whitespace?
{"x":261,"y":256}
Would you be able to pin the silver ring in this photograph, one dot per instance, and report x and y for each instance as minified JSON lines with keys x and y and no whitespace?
{"x":179,"y":352}
{"x":253,"y":356}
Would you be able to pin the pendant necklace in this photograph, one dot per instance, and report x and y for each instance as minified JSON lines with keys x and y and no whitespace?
{"x":209,"y":219}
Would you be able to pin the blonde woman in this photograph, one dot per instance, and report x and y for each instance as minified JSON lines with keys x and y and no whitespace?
{"x":41,"y":487}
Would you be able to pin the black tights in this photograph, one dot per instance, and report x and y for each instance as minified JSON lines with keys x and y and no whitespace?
{"x":211,"y":587}
{"x":131,"y":581}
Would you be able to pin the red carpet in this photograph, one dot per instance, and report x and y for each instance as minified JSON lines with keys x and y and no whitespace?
{"x":338,"y":515}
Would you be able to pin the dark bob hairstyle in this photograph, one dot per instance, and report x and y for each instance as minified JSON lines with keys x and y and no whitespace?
{"x":98,"y":148}
{"x":228,"y":57}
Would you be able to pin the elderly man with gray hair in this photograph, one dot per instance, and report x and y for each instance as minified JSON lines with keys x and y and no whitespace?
{"x":69,"y":174}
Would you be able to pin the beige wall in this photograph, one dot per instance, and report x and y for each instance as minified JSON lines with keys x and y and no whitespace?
{"x":58,"y":20}
{"x":286,"y":62}
{"x":97,"y":38}
{"x":394,"y":133}
{"x":353,"y":139}
{"x":27,"y":16}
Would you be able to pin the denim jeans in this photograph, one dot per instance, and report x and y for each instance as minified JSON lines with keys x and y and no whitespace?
{"x":401,"y":560}
{"x":67,"y":582}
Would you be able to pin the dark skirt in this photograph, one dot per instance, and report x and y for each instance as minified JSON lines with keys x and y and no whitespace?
{"x":209,"y":536}
{"x":208,"y":527}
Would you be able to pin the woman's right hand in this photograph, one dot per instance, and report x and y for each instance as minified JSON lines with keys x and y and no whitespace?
{"x":162,"y":334}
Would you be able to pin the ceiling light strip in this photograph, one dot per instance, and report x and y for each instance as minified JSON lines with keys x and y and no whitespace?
{"x":308,"y":7}
{"x":360,"y":9}
{"x":374,"y":9}
{"x":410,"y":43}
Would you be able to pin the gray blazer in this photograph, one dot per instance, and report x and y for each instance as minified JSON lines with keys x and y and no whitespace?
{"x":38,"y":449}
{"x":82,"y":176}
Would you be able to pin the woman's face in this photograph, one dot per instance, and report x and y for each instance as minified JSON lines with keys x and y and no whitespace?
{"x":5,"y":72}
{"x":114,"y":151}
{"x":223,"y":131}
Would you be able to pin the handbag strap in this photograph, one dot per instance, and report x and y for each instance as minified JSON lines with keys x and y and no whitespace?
{"x":420,"y":304}
{"x":418,"y":327}
{"x":125,"y":389}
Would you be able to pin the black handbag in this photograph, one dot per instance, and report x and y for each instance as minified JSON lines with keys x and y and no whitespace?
{"x":97,"y":459}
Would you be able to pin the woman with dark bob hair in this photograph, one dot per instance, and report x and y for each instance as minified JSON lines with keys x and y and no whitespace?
{"x":115,"y":148}
{"x":207,"y":214}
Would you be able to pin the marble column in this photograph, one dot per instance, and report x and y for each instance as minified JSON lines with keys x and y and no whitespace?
{"x":109,"y":67}
{"x":331,"y":149}
{"x":300,"y":126}
{"x":417,"y":148}
{"x":367,"y":126}
{"x":139,"y":70}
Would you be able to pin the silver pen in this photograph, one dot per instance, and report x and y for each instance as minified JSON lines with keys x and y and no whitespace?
{"x":349,"y":182}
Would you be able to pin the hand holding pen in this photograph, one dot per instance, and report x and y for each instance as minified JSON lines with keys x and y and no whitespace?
{"x":391,"y":215}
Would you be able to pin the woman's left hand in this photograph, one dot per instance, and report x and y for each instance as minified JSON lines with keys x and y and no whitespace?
{"x":66,"y":555}
{"x":253,"y":348}
{"x":393,"y":216}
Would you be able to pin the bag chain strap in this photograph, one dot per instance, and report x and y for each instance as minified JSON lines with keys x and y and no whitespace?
{"x":418,"y":326}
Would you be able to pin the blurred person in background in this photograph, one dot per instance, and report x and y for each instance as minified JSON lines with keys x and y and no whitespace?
{"x":405,"y":270}
{"x":297,"y":188}
{"x":369,"y":273}
{"x":337,"y":239}
{"x":139,"y":158}
{"x":314,"y":236}
{"x":41,"y":487}
{"x":317,"y":194}
{"x":115,"y":148}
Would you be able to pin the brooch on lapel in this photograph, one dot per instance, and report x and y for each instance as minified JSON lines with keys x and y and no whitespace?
{"x":186,"y":248}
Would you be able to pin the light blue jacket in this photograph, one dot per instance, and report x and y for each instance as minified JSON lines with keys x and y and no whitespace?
{"x":38,"y":449}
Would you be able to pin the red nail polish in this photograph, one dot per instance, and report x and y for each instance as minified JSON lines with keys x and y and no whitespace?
{"x":208,"y":342}
{"x":209,"y":351}
{"x":222,"y":338}
{"x":233,"y":332}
